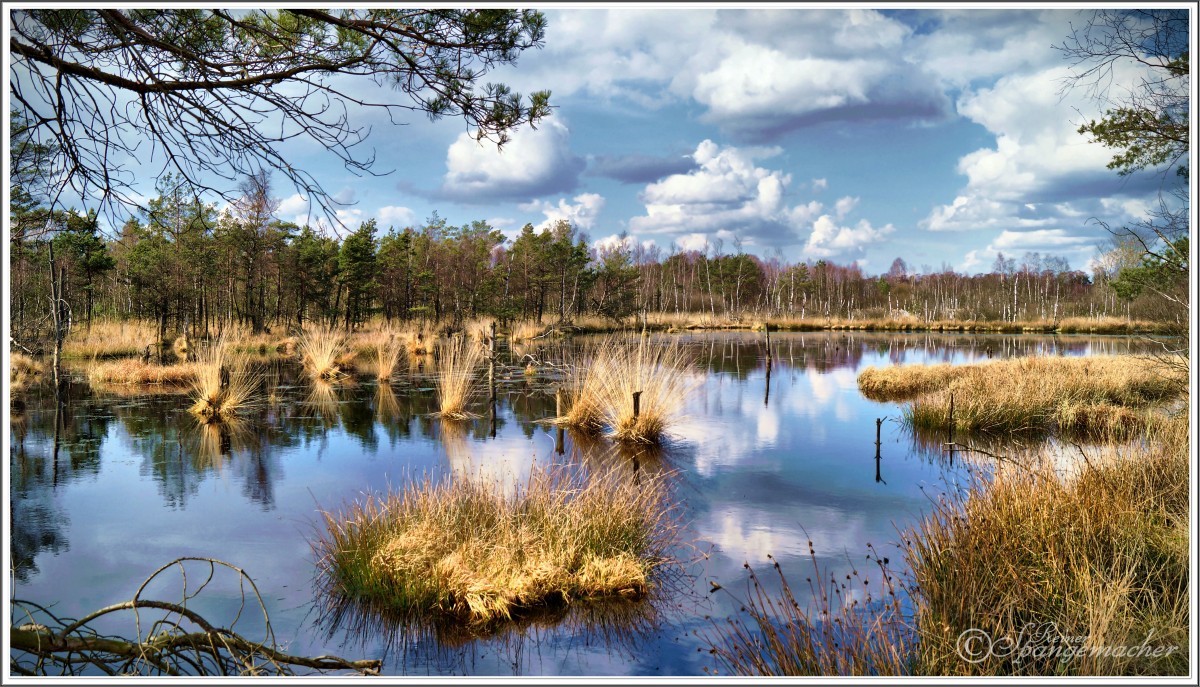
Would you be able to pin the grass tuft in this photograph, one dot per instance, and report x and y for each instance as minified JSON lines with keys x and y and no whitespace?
{"x":660,"y":372}
{"x":224,"y":386}
{"x":23,"y":370}
{"x":467,"y":551}
{"x":320,"y":351}
{"x":455,"y":379}
{"x":599,"y":389}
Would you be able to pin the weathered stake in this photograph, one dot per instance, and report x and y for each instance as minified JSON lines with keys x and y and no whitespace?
{"x":637,"y":403}
{"x":951,"y":430}
{"x":878,"y":426}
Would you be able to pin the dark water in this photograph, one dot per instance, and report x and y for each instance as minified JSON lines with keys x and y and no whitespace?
{"x":113,"y":487}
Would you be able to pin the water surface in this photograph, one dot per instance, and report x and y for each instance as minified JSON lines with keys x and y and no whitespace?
{"x":112,"y":486}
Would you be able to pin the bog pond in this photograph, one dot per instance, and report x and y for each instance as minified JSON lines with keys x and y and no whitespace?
{"x":110,"y":486}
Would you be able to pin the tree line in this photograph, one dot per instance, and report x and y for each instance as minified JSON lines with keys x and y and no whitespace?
{"x":191,"y":268}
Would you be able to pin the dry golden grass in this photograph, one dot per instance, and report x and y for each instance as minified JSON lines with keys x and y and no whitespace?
{"x":1108,"y":325}
{"x":468,"y":551}
{"x":1101,"y":555}
{"x":110,"y":338}
{"x":383,"y":349}
{"x":909,"y":381}
{"x":134,"y":371}
{"x":599,"y":388}
{"x":480,"y":328}
{"x":581,"y":393}
{"x":527,"y":330}
{"x":420,"y":339}
{"x":1094,"y":394}
{"x":23,"y":370}
{"x":661,"y":372}
{"x":182,"y":348}
{"x":322,"y":352}
{"x":224,"y":385}
{"x":455,"y":379}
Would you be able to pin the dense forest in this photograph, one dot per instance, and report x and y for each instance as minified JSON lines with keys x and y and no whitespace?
{"x":194,"y":269}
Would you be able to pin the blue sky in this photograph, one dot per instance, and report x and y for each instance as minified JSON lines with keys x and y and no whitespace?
{"x":940,"y":136}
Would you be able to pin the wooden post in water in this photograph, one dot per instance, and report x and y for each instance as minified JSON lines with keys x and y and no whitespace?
{"x":878,"y":458}
{"x":558,"y":404}
{"x":767,"y":392}
{"x":558,"y":441}
{"x":951,"y":428}
{"x":767,"y":327}
{"x":637,"y":403}
{"x":878,"y":426}
{"x":492,"y":363}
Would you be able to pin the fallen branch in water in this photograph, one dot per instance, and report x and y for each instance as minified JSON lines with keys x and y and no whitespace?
{"x":176,"y":641}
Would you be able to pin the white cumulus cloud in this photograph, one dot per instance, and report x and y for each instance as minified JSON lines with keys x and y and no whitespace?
{"x":582,"y":213}
{"x":535,"y":162}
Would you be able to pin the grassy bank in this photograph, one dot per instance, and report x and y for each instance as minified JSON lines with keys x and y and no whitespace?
{"x":465,"y":550}
{"x":1102,"y":556}
{"x":1050,"y":571}
{"x":132,"y":371}
{"x":1099,"y":395}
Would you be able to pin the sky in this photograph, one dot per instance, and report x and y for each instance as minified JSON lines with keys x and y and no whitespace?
{"x":939,"y":136}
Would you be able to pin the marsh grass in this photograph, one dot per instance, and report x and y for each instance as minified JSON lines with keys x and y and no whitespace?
{"x":1101,"y":395}
{"x":581,"y":392}
{"x":110,"y":338}
{"x":225,"y":384}
{"x":527,"y":330}
{"x":1102,"y":554}
{"x":661,"y":372}
{"x":902,"y":383}
{"x":599,"y":387}
{"x":420,"y":339}
{"x":132,"y":371}
{"x":322,"y":352}
{"x":1095,"y":559}
{"x":385,"y":347}
{"x":181,"y":347}
{"x":23,"y":370}
{"x":834,"y":628}
{"x":455,"y":378}
{"x":467,"y":551}
{"x":480,"y":328}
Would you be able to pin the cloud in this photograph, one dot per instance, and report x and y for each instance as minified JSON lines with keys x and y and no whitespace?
{"x":758,"y":73}
{"x":396,"y":216}
{"x":1041,"y":240}
{"x":637,"y":168}
{"x":820,"y":184}
{"x":970,"y":261}
{"x":1041,"y":173}
{"x":965,"y":46}
{"x":726,"y":195}
{"x":758,"y":93}
{"x":829,"y":239}
{"x":535,"y":162}
{"x":582,"y":213}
